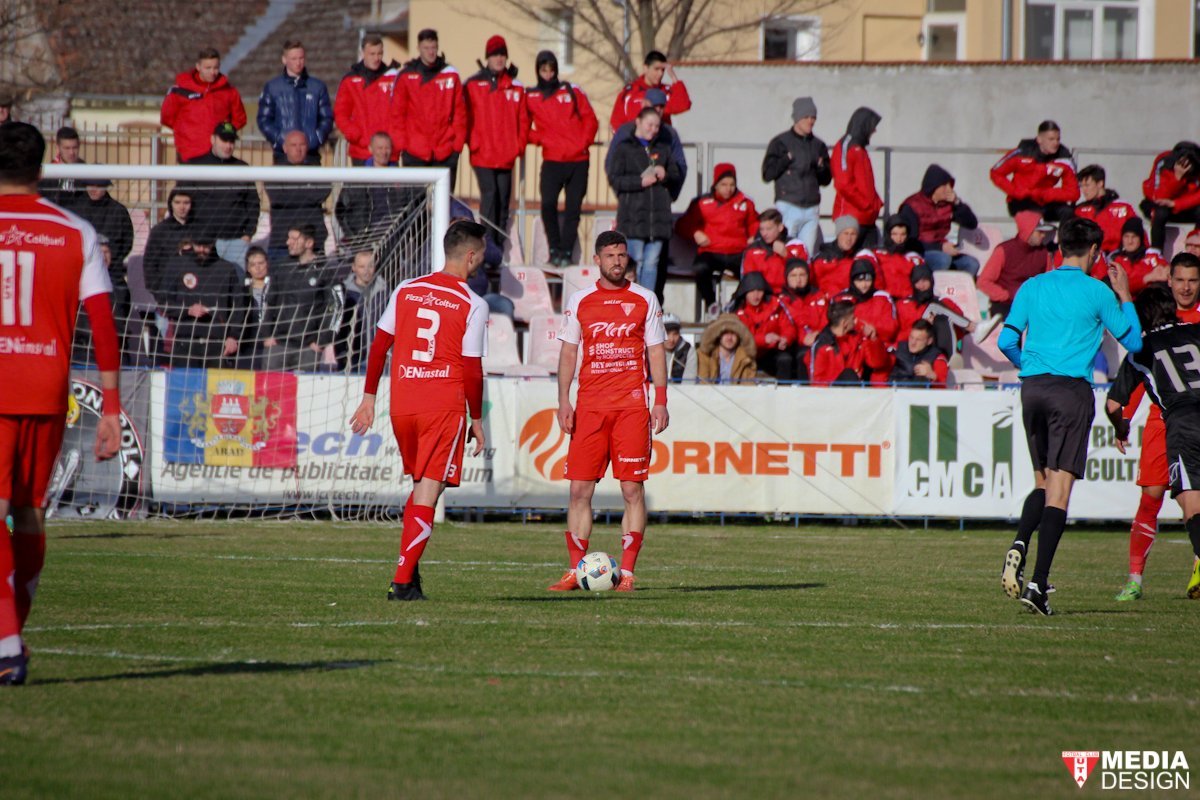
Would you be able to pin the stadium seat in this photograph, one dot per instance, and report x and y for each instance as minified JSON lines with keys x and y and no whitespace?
{"x":576,"y":278}
{"x":543,"y":341}
{"x":539,"y":249}
{"x":966,"y":379}
{"x":502,"y":346}
{"x":980,"y":242}
{"x":679,"y":297}
{"x":1009,"y":377}
{"x":529,"y":291}
{"x":514,"y":249}
{"x":984,"y":356}
{"x":959,"y":287}
{"x":526,"y":371}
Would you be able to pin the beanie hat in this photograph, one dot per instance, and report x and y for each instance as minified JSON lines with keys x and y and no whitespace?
{"x":803,"y":107}
{"x":496,"y":46}
{"x":656,"y":97}
{"x":862,"y":266}
{"x":1134,"y":225}
{"x":845,"y":222}
{"x":921,"y":271}
{"x":724,"y":170}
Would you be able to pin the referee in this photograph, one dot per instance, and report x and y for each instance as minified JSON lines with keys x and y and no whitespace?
{"x":1063,"y":314}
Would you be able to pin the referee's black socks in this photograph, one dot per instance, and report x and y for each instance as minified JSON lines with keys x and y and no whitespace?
{"x":1193,"y":528}
{"x":1031,"y":517}
{"x":1054,"y":520}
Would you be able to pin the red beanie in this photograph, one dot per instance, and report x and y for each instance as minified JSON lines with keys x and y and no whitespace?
{"x":496,"y":46}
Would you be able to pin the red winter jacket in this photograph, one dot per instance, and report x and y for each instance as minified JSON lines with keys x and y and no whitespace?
{"x":761,"y":257}
{"x":854,"y":180}
{"x":429,"y":111}
{"x":564,"y":123}
{"x":193,"y":109}
{"x":1025,"y":173}
{"x":629,"y":102}
{"x":893,"y":275}
{"x":363,"y":108}
{"x":1110,"y":215}
{"x":878,"y":311}
{"x":831,"y":356}
{"x":807,"y":313}
{"x":497,"y":118}
{"x":767,"y":317}
{"x":729,"y":224}
{"x":1137,"y":266}
{"x":831,"y":269}
{"x":909,"y":311}
{"x":1163,"y":185}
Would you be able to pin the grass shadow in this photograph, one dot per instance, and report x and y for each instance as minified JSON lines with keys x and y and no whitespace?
{"x":745,"y":587}
{"x":135,"y":535}
{"x":223,"y":668}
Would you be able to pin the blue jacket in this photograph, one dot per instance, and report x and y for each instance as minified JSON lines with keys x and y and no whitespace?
{"x":295,"y":104}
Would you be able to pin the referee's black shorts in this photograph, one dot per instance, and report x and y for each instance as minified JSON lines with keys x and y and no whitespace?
{"x":1058,"y":413}
{"x":1183,"y":451}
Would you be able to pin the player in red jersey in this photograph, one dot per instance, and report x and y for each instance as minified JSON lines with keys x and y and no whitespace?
{"x":50,"y":260}
{"x":436,"y":328}
{"x":1153,"y":473}
{"x":619,"y":325}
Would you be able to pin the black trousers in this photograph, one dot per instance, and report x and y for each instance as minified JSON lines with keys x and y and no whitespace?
{"x":783,"y":365}
{"x":495,"y":193}
{"x":557,"y":177}
{"x":1053,"y":212}
{"x":709,"y":266}
{"x":451,"y":163}
{"x":1159,"y":216}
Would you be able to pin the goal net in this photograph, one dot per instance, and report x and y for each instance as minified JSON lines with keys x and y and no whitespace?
{"x":246,"y":299}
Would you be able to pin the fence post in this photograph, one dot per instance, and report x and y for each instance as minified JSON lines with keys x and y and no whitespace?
{"x":887,"y":183}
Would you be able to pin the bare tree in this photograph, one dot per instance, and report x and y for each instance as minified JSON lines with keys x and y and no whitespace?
{"x":28,"y":66}
{"x":678,"y":28}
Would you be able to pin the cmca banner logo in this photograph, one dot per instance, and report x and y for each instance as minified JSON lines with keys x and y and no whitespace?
{"x":231,"y":418}
{"x":937,"y":465}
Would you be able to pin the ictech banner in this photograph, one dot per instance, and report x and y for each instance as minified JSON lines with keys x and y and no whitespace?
{"x":758,"y":449}
{"x":963,"y":454}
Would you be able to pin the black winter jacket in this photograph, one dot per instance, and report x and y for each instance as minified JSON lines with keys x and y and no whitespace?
{"x":643,"y":212}
{"x":799,"y":166}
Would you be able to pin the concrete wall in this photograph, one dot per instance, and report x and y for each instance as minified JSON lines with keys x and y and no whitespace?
{"x":1116,"y":115}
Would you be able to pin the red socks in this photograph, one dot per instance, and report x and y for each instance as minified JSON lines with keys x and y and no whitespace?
{"x":10,"y":625}
{"x":631,"y":544}
{"x":29,"y":554}
{"x":576,"y":548}
{"x":418,"y":525}
{"x":1142,"y":532}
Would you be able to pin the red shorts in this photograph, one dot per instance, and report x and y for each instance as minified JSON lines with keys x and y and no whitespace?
{"x":431,"y":445}
{"x":1152,"y":466}
{"x":621,"y":436}
{"x":29,"y":447}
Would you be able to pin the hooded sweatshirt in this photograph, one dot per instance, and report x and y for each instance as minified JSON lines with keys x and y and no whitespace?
{"x":764,"y":318}
{"x":1013,"y":262}
{"x":853,"y":177}
{"x":896,"y":261}
{"x":874,"y":306}
{"x":729,"y":224}
{"x":932,"y":220}
{"x":563,"y":121}
{"x":363,"y":107}
{"x":1162,"y":183}
{"x":629,"y":102}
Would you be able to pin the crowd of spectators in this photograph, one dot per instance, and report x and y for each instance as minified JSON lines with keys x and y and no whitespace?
{"x":858,"y":308}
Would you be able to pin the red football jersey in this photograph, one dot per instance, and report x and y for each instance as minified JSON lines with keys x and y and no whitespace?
{"x":436,"y":321}
{"x":615,"y":327}
{"x":50,"y":260}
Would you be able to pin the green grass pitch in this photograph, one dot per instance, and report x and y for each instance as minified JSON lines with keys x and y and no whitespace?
{"x":260,"y":659}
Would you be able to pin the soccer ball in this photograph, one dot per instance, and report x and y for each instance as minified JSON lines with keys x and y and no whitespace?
{"x":598,"y":572}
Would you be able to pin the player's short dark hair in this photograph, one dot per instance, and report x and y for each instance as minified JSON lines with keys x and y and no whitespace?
{"x":1185,"y":260}
{"x":1092,"y":172}
{"x":306,"y":230}
{"x":923,"y":325}
{"x":372,"y":40}
{"x":1048,"y":125}
{"x":255,"y":250}
{"x":1076,"y":236}
{"x":427,"y":35}
{"x":66,"y":134}
{"x":1155,"y":307}
{"x":649,"y":111}
{"x":22,"y":149}
{"x":610,"y":238}
{"x":770,"y":215}
{"x":654,"y":57}
{"x":463,"y":234}
{"x":838,"y":310}
{"x":207,"y":53}
{"x":292,"y":44}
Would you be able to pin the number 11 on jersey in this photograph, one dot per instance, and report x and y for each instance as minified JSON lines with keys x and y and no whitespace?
{"x":16,"y":288}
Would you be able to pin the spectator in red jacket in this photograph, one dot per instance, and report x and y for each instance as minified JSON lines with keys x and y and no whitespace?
{"x":198,"y":102}
{"x":497,"y":129}
{"x":768,"y":251}
{"x":922,"y":304}
{"x":1191,"y":243}
{"x":429,"y":110}
{"x":364,"y":100}
{"x":900,"y":253}
{"x":873,"y":308}
{"x":629,"y":102}
{"x":1038,"y":175}
{"x":774,"y":334}
{"x":1100,"y":205}
{"x":853,"y":177}
{"x":722,"y":223}
{"x":565,"y":125}
{"x":840,"y":354}
{"x":831,"y":267}
{"x":1015,"y":261}
{"x":916,"y":361}
{"x":1144,"y":265}
{"x":930,"y":212}
{"x":804,"y":302}
{"x":1172,"y":192}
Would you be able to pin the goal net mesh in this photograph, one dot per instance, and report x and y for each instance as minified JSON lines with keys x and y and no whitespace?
{"x":245,"y":309}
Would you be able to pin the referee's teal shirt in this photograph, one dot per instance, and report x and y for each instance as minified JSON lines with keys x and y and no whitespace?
{"x":1063,"y":314}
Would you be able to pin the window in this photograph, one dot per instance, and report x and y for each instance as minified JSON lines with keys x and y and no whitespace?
{"x":791,"y":39}
{"x":1082,"y":30}
{"x":946,"y":6}
{"x":557,"y":35}
{"x":1196,"y":30}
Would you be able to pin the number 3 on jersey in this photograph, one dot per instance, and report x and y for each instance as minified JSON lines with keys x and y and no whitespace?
{"x":16,"y":288}
{"x":429,"y":334}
